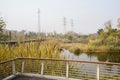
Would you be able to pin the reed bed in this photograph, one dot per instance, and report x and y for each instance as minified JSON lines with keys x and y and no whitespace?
{"x":46,"y":49}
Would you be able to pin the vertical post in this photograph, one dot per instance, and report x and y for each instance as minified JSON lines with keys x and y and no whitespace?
{"x":42,"y":67}
{"x":13,"y":67}
{"x":67,"y":70}
{"x":98,"y":71}
{"x":22,"y":68}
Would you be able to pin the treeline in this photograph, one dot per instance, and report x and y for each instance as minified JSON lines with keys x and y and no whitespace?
{"x":107,"y":36}
{"x":108,"y":39}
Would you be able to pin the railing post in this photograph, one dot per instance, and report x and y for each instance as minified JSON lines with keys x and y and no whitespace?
{"x":98,"y":71}
{"x":67,"y":70}
{"x":42,"y":67}
{"x":22,"y":68}
{"x":13,"y":67}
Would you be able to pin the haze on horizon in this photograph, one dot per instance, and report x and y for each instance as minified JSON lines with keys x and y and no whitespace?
{"x":88,"y":15}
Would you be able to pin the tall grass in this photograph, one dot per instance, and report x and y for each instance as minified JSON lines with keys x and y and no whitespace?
{"x":46,"y":49}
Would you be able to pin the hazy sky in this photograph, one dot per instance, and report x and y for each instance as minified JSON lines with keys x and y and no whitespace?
{"x":88,"y":15}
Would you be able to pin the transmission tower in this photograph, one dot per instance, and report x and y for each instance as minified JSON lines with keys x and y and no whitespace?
{"x":64,"y":24}
{"x":72,"y":24}
{"x":39,"y":28}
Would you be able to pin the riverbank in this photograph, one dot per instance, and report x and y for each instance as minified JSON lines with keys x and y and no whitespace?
{"x":74,"y":47}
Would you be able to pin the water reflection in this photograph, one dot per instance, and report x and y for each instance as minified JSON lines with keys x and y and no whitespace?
{"x":88,"y":70}
{"x":105,"y":57}
{"x":66,"y":54}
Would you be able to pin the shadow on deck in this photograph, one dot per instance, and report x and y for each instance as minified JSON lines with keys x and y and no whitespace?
{"x":29,"y":78}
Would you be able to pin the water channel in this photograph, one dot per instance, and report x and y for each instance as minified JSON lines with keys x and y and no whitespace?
{"x":104,"y":57}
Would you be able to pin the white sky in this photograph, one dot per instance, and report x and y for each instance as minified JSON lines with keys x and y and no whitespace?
{"x":88,"y":15}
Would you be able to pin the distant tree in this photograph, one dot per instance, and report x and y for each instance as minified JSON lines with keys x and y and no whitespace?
{"x":109,"y":35}
{"x":31,"y":35}
{"x":118,"y":23}
{"x":3,"y":37}
{"x":70,"y":37}
{"x":2,"y":24}
{"x":100,"y":32}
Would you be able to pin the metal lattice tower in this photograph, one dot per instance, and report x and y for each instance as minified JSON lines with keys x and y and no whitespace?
{"x":39,"y":28}
{"x":64,"y":24}
{"x":72,"y":24}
